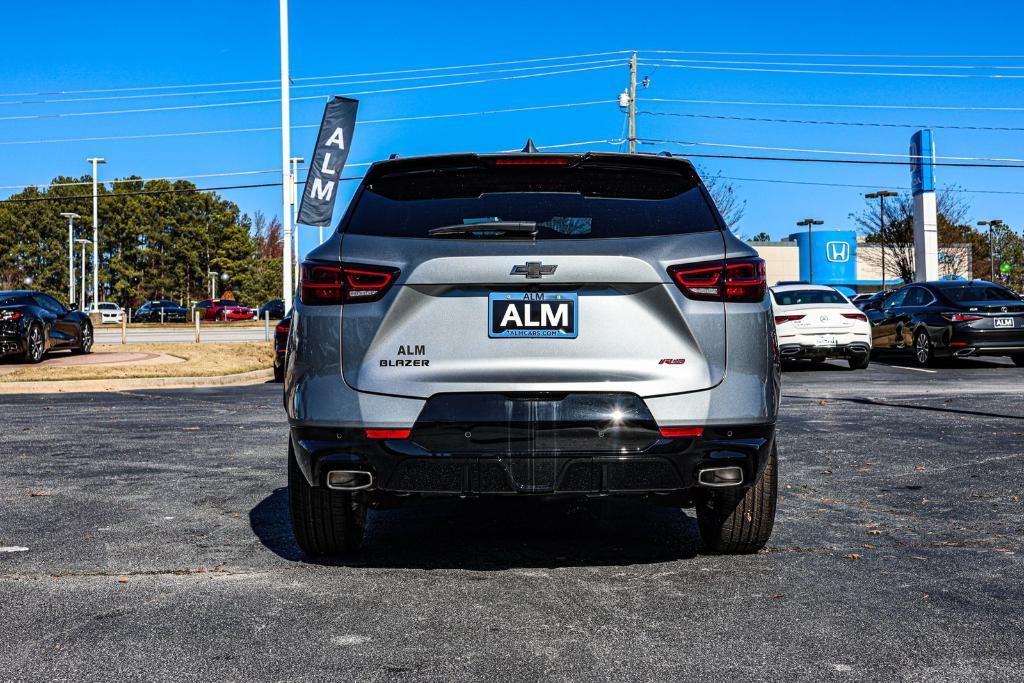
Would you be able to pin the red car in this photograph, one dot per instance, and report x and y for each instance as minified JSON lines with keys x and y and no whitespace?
{"x":224,"y":309}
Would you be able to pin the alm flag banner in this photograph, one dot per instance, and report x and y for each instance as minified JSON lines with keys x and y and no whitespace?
{"x":329,"y":157}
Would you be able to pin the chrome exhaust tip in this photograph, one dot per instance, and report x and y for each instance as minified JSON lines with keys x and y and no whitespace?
{"x":349,"y":480}
{"x":717,"y":477}
{"x":963,"y":353}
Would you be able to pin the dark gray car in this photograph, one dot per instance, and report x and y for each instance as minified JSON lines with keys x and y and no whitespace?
{"x":532,"y":325}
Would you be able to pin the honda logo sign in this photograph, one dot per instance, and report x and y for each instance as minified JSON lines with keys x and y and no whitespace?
{"x":837,"y":252}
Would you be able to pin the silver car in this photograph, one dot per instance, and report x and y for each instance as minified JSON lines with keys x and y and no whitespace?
{"x":532,"y":325}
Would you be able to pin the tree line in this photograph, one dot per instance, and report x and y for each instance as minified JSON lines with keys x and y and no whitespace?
{"x":157,"y":240}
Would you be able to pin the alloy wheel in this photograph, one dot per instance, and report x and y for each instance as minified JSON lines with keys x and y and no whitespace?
{"x":36,"y":345}
{"x":922,"y":348}
{"x":86,"y":338}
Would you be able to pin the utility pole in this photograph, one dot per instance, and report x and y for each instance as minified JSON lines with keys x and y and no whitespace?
{"x":632,"y":103}
{"x":810,"y":246}
{"x":880,"y":196}
{"x":83,"y":243}
{"x":71,"y":254}
{"x":286,"y":180}
{"x":994,"y":223}
{"x":95,"y":161}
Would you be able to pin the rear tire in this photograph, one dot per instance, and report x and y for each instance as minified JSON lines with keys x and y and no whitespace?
{"x":1018,"y":359}
{"x":325,"y":522}
{"x":35,"y":344}
{"x":739,"y":520}
{"x":85,"y":340}
{"x":924,"y":350}
{"x":860,"y":363}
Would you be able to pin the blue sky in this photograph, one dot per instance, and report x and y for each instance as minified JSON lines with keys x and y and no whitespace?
{"x":83,"y":46}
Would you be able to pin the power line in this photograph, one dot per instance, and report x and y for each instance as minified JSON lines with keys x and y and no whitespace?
{"x":833,"y":54}
{"x":801,"y":150}
{"x":863,"y":162}
{"x":294,"y":87}
{"x":307,"y":97}
{"x":47,"y":93}
{"x":133,"y":193}
{"x":424,"y":117}
{"x":862,"y":187}
{"x":722,"y":117}
{"x":844,"y":64}
{"x":813,"y":105}
{"x":829,"y":73}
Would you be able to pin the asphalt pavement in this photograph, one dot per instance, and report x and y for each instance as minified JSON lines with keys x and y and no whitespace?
{"x":157,"y":547}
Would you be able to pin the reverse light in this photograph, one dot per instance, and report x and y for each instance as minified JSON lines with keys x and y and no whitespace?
{"x":324,"y":284}
{"x":388,"y":433}
{"x":779,"y":319}
{"x":680,"y":432}
{"x":735,"y":280}
{"x":960,"y":317}
{"x":856,"y":316}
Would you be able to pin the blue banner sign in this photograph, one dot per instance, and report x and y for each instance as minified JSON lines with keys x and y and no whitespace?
{"x":922,"y":162}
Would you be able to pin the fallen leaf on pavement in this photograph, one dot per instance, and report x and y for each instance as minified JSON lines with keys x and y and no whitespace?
{"x":37,"y":494}
{"x":122,"y":579}
{"x":822,"y":403}
{"x":920,"y":468}
{"x":854,"y":556}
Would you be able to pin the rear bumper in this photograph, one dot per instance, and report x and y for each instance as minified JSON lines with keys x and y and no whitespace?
{"x":403,"y":467}
{"x":10,"y":346}
{"x":793,"y":351}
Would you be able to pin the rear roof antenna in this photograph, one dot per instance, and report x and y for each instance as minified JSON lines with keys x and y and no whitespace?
{"x":530,"y":148}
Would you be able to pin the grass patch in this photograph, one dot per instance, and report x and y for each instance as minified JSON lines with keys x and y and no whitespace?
{"x":200,"y":360}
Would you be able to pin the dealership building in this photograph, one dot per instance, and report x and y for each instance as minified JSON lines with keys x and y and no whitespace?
{"x":841,"y":259}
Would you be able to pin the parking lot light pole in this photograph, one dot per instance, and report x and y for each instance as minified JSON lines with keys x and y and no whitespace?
{"x":83,"y":243}
{"x":213,"y":283}
{"x":95,"y":161}
{"x":295,"y":209}
{"x":286,"y":180}
{"x":880,"y":196}
{"x":71,"y":254}
{"x":810,"y":246}
{"x":994,"y":223}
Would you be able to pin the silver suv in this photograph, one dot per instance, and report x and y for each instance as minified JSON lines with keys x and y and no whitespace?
{"x":532,"y":325}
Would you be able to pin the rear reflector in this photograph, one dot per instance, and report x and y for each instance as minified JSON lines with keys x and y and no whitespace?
{"x":735,"y":280}
{"x":680,"y":432}
{"x":856,"y":316}
{"x":325,"y":284}
{"x":779,"y":319}
{"x":388,"y":433}
{"x":958,"y":344}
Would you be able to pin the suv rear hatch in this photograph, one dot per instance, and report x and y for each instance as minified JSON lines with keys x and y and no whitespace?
{"x":533,"y":273}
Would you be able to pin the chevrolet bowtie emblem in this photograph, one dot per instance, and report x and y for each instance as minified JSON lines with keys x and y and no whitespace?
{"x":533,"y":270}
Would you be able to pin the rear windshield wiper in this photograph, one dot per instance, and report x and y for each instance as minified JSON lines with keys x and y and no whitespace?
{"x":493,"y":229}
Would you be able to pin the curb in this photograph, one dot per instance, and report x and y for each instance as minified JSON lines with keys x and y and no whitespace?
{"x":100,"y":385}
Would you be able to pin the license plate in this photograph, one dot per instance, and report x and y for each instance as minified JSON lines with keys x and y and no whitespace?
{"x":532,"y":314}
{"x":1004,"y":322}
{"x":826,"y":340}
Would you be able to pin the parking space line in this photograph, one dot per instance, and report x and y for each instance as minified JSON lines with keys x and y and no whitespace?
{"x":901,"y":367}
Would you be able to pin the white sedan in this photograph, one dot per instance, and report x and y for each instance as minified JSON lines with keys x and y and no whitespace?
{"x":109,"y":312}
{"x":817,"y":322}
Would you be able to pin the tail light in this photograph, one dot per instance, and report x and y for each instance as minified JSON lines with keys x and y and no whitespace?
{"x":10,"y":315}
{"x":960,"y":317}
{"x":282,"y":327}
{"x":735,"y":280}
{"x":680,"y":432}
{"x":324,"y":284}
{"x":856,"y":316}
{"x":779,"y":319}
{"x":388,"y":433}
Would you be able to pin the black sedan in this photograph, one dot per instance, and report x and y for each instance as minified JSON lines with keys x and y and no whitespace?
{"x":950,"y":319}
{"x":275,"y":307}
{"x":32,"y":323}
{"x":281,"y":347}
{"x":160,"y":310}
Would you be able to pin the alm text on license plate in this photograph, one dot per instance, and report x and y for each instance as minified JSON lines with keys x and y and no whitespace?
{"x":532,"y":314}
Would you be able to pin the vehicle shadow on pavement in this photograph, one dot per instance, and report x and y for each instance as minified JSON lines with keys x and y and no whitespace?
{"x":907,"y":406}
{"x":487,"y":535}
{"x":808,"y":366}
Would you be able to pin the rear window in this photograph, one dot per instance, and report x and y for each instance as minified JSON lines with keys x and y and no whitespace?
{"x":588,"y":201}
{"x":795,"y":297}
{"x":979,"y":293}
